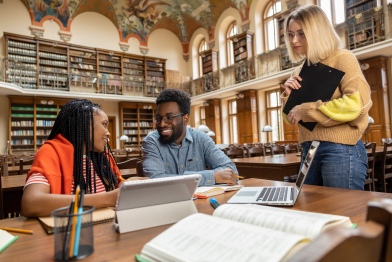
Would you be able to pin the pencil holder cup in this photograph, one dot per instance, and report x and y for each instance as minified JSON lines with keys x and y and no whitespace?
{"x":73,"y":234}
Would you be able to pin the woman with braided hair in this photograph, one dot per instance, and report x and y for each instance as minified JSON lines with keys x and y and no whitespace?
{"x":76,"y":153}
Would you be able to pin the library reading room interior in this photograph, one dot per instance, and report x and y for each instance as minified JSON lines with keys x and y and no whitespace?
{"x":219,"y":80}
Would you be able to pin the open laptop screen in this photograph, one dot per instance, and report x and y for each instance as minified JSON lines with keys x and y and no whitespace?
{"x":305,"y":167}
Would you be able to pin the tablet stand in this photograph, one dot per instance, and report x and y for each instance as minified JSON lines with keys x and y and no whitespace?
{"x":152,"y":216}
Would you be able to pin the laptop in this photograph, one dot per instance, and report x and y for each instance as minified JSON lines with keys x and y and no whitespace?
{"x":276,"y":195}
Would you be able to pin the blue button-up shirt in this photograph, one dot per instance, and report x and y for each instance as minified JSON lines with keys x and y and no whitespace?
{"x":197,"y":151}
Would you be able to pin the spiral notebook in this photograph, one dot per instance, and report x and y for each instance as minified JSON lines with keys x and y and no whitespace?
{"x":100,"y":216}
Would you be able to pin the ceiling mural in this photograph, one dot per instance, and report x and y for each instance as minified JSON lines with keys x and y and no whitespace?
{"x":138,"y":18}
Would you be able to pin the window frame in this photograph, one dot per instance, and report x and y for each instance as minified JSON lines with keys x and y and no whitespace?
{"x":203,"y":120}
{"x":267,"y":20}
{"x":333,"y":15}
{"x":230,"y":114}
{"x":203,"y":44}
{"x":229,"y":44}
{"x":276,"y":108}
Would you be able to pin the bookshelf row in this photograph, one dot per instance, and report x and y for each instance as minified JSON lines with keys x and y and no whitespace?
{"x":31,"y":121}
{"x":136,"y":122}
{"x":61,"y":58}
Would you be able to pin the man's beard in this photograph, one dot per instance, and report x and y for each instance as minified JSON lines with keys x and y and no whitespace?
{"x":177,"y":132}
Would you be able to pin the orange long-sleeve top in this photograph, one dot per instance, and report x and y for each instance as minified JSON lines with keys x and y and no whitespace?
{"x":55,"y":161}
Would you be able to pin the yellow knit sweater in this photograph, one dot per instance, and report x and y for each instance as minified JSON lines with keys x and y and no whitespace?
{"x":344,"y":118}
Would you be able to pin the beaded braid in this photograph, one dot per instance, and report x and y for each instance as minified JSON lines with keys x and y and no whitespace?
{"x":74,"y":122}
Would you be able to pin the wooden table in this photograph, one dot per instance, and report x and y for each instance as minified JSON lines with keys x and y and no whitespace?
{"x":111,"y":246}
{"x":13,"y":189}
{"x":268,"y":167}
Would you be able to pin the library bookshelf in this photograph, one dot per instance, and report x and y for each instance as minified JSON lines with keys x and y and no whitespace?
{"x":243,"y":49}
{"x":136,"y":122}
{"x":209,"y":60}
{"x":365,"y":21}
{"x":31,"y":121}
{"x":48,"y":64}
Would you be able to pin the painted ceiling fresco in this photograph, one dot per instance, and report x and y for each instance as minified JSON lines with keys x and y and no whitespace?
{"x":138,"y":18}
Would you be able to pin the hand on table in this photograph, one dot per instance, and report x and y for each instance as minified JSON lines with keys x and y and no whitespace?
{"x":225,"y":176}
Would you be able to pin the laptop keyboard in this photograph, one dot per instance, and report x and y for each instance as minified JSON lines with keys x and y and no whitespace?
{"x":271,"y":194}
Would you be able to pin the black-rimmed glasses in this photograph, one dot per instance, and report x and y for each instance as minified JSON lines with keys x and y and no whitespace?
{"x":167,"y":119}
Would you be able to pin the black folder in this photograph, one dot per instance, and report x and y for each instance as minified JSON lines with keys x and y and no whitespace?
{"x":319,"y":82}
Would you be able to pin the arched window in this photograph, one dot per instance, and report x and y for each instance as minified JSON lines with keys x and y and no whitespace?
{"x":232,"y":30}
{"x":202,"y":48}
{"x":272,"y":11}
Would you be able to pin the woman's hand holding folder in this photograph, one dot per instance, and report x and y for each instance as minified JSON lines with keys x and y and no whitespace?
{"x":292,"y":83}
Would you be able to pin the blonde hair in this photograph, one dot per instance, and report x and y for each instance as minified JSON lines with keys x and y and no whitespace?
{"x":320,"y":35}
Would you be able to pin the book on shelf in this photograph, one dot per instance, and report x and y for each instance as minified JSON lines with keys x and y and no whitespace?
{"x":107,"y":63}
{"x":207,"y":58}
{"x":362,"y":8}
{"x":207,"y":63}
{"x":110,"y":69}
{"x":207,"y":69}
{"x":154,"y":73}
{"x":22,"y":115}
{"x":133,"y":61}
{"x":266,"y":234}
{"x":109,"y":57}
{"x":21,"y":108}
{"x":22,"y":123}
{"x":81,"y":53}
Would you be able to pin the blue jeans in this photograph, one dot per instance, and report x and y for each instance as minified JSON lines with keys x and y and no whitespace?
{"x":337,"y":165}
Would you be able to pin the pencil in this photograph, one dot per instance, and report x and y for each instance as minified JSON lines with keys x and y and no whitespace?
{"x":79,"y":224}
{"x":240,"y":176}
{"x":74,"y":219}
{"x":67,"y":235}
{"x":17,"y":230}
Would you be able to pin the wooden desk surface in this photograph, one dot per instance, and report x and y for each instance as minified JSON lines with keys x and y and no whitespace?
{"x":111,"y":246}
{"x":18,"y":181}
{"x":277,"y":160}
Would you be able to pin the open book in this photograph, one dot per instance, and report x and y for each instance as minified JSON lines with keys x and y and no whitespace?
{"x":100,"y":216}
{"x":240,"y":233}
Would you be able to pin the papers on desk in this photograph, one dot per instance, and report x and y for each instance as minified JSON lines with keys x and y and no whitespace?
{"x":209,"y":191}
{"x":6,"y":239}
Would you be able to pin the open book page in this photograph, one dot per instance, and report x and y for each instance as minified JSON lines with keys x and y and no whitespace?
{"x":201,"y":237}
{"x":292,"y":221}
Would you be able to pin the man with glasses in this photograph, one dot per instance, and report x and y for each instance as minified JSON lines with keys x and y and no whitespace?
{"x":173,"y":149}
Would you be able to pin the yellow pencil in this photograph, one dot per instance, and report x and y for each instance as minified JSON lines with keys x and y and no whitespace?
{"x":17,"y":230}
{"x":240,"y":176}
{"x":71,"y":245}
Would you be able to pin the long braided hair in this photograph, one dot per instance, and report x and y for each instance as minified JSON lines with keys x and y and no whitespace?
{"x":75,"y":122}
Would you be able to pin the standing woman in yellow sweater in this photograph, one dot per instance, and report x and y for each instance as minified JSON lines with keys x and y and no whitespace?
{"x":341,"y":160}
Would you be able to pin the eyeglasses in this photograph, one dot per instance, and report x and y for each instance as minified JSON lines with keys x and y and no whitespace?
{"x":300,"y":36}
{"x":167,"y":119}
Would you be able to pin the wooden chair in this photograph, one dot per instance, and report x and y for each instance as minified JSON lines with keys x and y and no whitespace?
{"x":386,"y":165}
{"x":25,"y":162}
{"x":371,"y":242}
{"x":380,"y":211}
{"x":236,"y":153}
{"x":341,"y":244}
{"x":256,"y":151}
{"x":292,"y":148}
{"x":277,"y":150}
{"x":370,"y":171}
{"x":1,"y":200}
{"x":128,"y":164}
{"x":139,"y":169}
